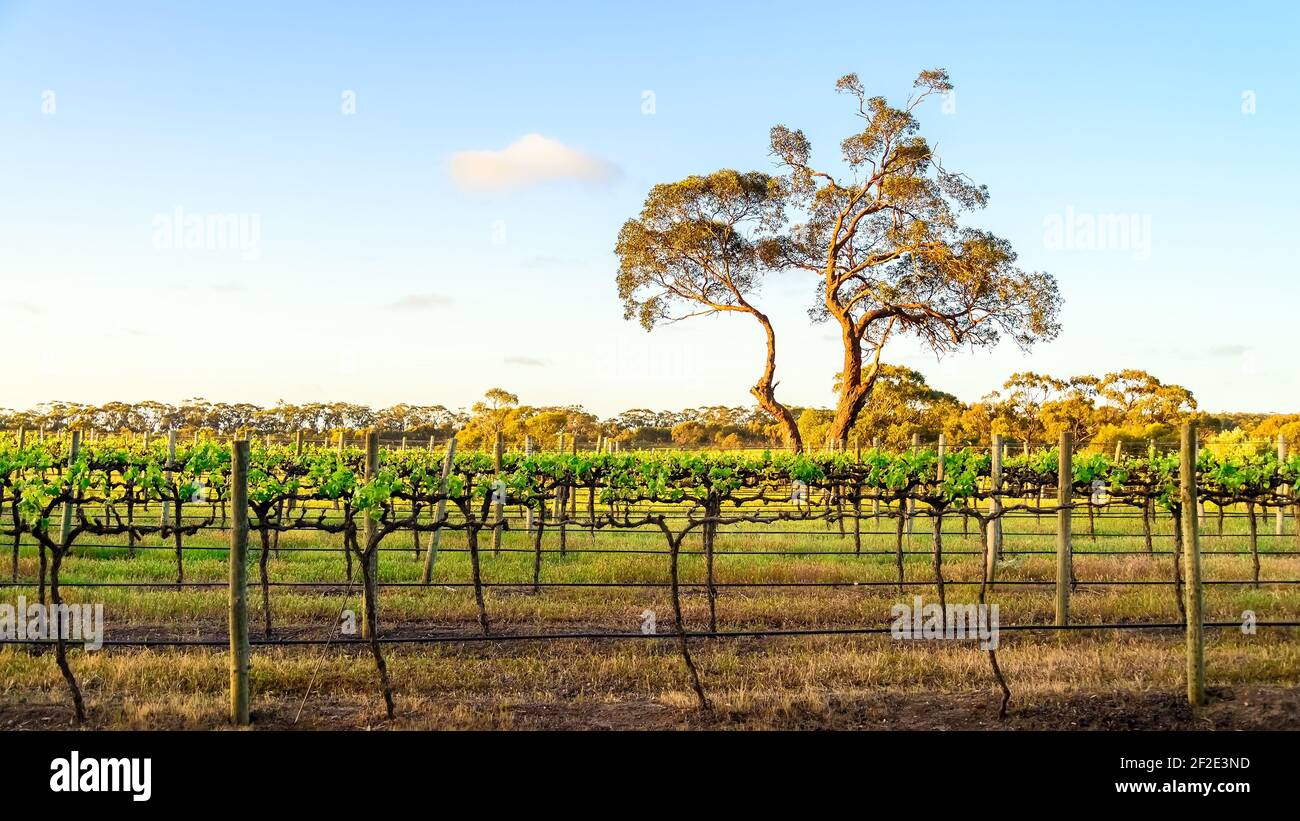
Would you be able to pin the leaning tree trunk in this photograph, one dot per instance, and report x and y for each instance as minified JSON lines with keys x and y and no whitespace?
{"x":764,"y":390}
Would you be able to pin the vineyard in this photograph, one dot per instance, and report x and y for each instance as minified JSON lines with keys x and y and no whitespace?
{"x":708,"y":567}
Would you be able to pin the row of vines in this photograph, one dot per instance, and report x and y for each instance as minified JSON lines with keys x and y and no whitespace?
{"x":56,"y":492}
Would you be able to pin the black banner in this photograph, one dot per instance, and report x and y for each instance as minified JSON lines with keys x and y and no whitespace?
{"x":142,"y":772}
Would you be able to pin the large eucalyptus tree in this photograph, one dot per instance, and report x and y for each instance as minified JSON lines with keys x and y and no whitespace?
{"x":695,"y":250}
{"x":881,"y":232}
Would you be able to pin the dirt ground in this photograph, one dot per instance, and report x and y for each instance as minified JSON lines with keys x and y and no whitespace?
{"x":1245,"y":708}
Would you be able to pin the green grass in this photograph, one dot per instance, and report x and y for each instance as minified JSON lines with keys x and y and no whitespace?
{"x":488,"y":685}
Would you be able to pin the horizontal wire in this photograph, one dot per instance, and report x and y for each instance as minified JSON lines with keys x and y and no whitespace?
{"x":716,"y":634}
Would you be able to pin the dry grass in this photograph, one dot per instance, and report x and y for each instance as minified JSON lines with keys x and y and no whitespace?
{"x":1107,"y":678}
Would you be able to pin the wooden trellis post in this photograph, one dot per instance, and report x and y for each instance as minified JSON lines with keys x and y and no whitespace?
{"x":911,"y":503}
{"x":171,"y":457}
{"x":1064,"y":522}
{"x":875,"y":502}
{"x":573,"y":500}
{"x":1193,"y":596}
{"x":995,"y":508}
{"x":371,"y":528}
{"x":498,"y":510}
{"x":528,"y":509}
{"x":440,"y":513}
{"x":238,"y":567}
{"x":557,"y":507}
{"x":66,"y":525}
{"x":1281,"y":509}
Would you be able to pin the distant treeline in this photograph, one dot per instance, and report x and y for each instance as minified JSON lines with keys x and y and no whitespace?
{"x":1128,"y":407}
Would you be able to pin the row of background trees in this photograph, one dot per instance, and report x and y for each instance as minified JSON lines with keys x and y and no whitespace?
{"x":1130,"y":407}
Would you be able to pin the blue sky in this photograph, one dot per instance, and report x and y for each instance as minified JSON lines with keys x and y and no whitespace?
{"x":376,"y":277}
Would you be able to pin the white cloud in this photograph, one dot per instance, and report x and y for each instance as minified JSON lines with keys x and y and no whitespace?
{"x":419,"y":302}
{"x":530,"y":160}
{"x":527,"y":361}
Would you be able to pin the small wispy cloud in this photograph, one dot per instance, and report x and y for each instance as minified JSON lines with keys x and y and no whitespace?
{"x":530,"y":160}
{"x":526,"y":361}
{"x":1228,"y":350}
{"x":419,"y":302}
{"x":27,"y":307}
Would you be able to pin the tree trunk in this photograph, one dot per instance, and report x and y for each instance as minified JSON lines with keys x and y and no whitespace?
{"x":854,"y":391}
{"x":764,"y":390}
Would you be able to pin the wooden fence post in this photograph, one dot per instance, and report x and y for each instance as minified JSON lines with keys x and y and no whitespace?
{"x":1064,"y":522}
{"x":440,"y":512}
{"x":371,"y":530}
{"x":1192,"y":571}
{"x":573,"y":501}
{"x":995,"y":508}
{"x":911,"y":503}
{"x":171,"y":457}
{"x":1281,"y":509}
{"x":238,"y":562}
{"x":66,"y":526}
{"x":528,"y":509}
{"x":875,"y":502}
{"x":557,"y":507}
{"x":498,"y":510}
